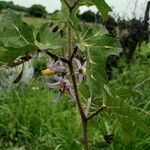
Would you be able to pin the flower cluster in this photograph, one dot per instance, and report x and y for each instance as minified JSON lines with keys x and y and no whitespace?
{"x":61,"y":76}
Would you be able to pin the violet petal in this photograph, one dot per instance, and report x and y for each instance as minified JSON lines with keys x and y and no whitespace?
{"x":80,"y":78}
{"x":71,"y":94}
{"x":58,"y":98}
{"x":57,"y":78}
{"x":50,"y":65}
{"x":77,"y":62}
{"x":53,"y":85}
{"x":59,"y":68}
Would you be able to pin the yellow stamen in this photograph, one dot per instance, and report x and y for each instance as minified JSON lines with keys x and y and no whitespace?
{"x":47,"y":72}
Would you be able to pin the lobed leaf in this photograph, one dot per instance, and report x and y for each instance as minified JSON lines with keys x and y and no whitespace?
{"x":123,"y":111}
{"x":49,"y":39}
{"x":99,"y":48}
{"x":16,"y":33}
{"x":9,"y":54}
{"x":16,"y":38}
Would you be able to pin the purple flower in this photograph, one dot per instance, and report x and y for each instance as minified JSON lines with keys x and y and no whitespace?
{"x":53,"y":68}
{"x":63,"y":86}
{"x":81,"y":71}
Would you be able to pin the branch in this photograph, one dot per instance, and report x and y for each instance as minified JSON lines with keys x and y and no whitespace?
{"x":54,"y":56}
{"x":71,"y":55}
{"x":22,"y":60}
{"x":101,"y":109}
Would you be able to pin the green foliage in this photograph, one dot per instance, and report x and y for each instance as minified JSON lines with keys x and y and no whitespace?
{"x":99,"y":48}
{"x":131,"y":88}
{"x":30,"y":121}
{"x":37,"y":11}
{"x":49,"y":39}
{"x":143,"y":52}
{"x":17,"y":38}
{"x":38,"y":124}
{"x":16,"y":33}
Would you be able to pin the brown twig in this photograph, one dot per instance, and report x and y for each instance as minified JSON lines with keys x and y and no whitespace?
{"x":22,"y":60}
{"x":54,"y":56}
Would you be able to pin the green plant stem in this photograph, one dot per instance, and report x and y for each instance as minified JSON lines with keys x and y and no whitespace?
{"x":80,"y":109}
{"x":85,"y":134}
{"x":82,"y":114}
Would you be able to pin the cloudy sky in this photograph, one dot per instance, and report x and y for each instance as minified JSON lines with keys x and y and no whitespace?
{"x":121,"y":7}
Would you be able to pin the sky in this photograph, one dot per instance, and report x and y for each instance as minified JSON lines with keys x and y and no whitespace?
{"x":122,"y":7}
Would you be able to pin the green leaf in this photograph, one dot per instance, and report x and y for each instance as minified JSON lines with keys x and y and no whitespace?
{"x":49,"y":39}
{"x":103,"y":7}
{"x":127,"y":133}
{"x":16,"y":38}
{"x":9,"y":54}
{"x":16,"y":33}
{"x":85,"y":2}
{"x":99,"y":47}
{"x":122,"y":109}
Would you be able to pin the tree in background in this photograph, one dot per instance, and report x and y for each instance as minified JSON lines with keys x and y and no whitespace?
{"x":11,"y":5}
{"x":37,"y":11}
{"x":89,"y":16}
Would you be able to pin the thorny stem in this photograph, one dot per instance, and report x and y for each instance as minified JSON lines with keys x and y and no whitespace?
{"x":70,"y":64}
{"x":83,"y":117}
{"x":54,"y":56}
{"x":21,"y":61}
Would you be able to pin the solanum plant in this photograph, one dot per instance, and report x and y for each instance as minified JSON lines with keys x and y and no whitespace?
{"x":18,"y":42}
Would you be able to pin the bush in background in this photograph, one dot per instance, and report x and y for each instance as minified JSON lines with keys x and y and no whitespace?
{"x":37,"y":11}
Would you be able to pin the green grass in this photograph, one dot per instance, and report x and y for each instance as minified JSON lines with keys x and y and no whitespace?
{"x":29,"y":120}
